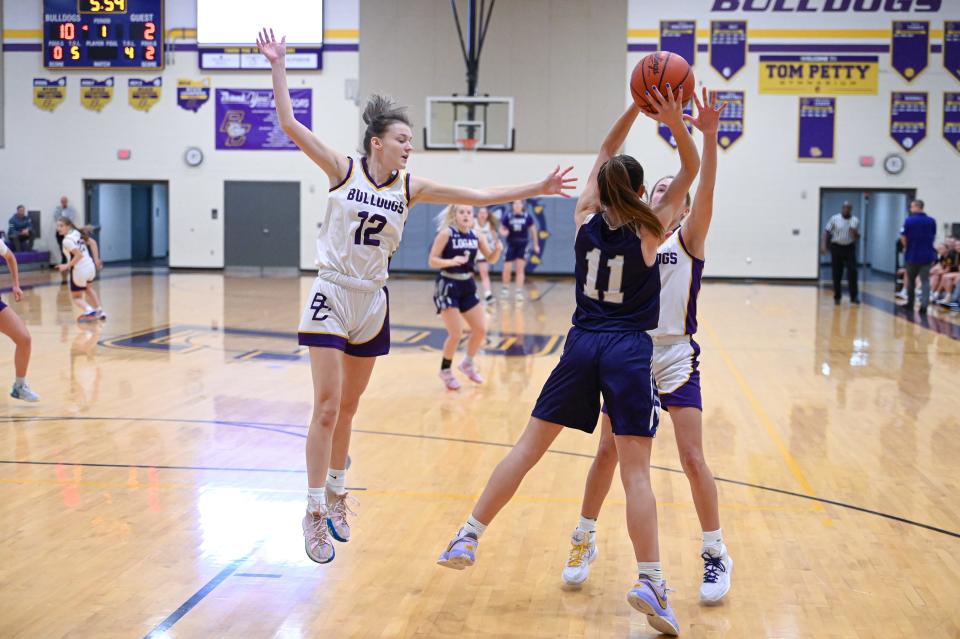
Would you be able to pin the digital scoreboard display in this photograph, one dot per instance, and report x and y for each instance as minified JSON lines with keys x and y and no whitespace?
{"x":103,"y":34}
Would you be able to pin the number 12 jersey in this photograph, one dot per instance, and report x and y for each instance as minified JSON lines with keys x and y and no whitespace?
{"x":363,"y":225}
{"x":616,"y":290}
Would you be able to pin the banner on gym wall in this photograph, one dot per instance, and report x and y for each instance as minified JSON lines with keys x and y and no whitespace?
{"x":908,"y":118}
{"x":830,"y":74}
{"x":731,"y":119}
{"x":728,"y":47}
{"x":247,"y":119}
{"x":680,"y":37}
{"x":951,"y":119}
{"x":910,"y":48}
{"x":144,"y":94}
{"x":951,"y":48}
{"x":193,"y":94}
{"x":664,"y":131}
{"x":96,"y":94}
{"x":49,"y":94}
{"x":817,"y":130}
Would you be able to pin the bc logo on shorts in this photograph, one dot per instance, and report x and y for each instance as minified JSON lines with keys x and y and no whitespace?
{"x":319,"y":304}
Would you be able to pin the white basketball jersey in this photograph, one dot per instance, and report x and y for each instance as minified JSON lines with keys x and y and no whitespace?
{"x":73,"y":240}
{"x":680,"y":275}
{"x":363,"y":225}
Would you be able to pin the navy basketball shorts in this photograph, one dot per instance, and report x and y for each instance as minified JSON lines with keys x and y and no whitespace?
{"x":354,"y":321}
{"x":611,"y":364}
{"x":516,"y":251}
{"x":458,"y":294}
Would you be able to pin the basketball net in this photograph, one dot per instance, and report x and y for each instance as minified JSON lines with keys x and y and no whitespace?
{"x":468,"y":146}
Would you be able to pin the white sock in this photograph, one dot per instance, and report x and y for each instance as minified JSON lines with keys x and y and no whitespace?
{"x":587,"y":525}
{"x":87,"y":308}
{"x":713,"y":542}
{"x":468,"y":359}
{"x":474,"y":527}
{"x":651,"y":570}
{"x":20,"y":381}
{"x":337,"y":481}
{"x":317,"y":500}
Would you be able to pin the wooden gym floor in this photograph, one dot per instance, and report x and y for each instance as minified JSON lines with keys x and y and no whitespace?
{"x":157,"y":488}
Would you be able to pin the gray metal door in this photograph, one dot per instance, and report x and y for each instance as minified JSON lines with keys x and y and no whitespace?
{"x":262,"y":224}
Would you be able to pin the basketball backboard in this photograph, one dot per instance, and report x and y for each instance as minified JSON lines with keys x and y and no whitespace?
{"x":450,"y":118}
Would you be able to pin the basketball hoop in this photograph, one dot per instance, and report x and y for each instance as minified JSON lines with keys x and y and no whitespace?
{"x":467,"y":145}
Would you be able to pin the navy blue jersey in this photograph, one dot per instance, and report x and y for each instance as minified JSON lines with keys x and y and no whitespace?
{"x":616,"y":290}
{"x":461,"y":244}
{"x":517,"y":227}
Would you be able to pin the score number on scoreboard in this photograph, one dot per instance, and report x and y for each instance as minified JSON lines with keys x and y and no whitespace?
{"x":103,"y":34}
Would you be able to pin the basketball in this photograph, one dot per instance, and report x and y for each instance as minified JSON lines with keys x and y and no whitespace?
{"x":658,"y":70}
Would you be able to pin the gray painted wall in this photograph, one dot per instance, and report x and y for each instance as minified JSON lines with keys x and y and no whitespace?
{"x":562,"y":60}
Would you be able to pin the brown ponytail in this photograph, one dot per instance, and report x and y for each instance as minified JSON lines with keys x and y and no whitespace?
{"x":378,"y":115}
{"x":619,"y":179}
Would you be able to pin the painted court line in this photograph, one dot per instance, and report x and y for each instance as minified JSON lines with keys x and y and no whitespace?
{"x":191,"y":603}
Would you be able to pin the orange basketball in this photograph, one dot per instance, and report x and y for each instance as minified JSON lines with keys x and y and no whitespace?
{"x":658,"y":70}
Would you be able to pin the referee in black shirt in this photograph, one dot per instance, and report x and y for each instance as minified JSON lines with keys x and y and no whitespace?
{"x":841,"y":235}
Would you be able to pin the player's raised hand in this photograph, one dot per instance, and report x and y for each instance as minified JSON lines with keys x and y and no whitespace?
{"x":708,"y":113}
{"x":272,"y":50}
{"x":557,"y":182}
{"x":666,"y":109}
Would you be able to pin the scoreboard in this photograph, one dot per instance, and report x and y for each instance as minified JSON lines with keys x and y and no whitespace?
{"x":103,"y":34}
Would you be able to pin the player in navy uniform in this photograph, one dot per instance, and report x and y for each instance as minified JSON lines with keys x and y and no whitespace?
{"x":675,"y":369}
{"x":345,"y":321}
{"x":454,"y":252}
{"x":519,"y":229}
{"x":607,"y":351}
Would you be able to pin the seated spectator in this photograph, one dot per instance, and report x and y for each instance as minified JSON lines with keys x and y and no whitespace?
{"x":950,"y":263}
{"x":20,"y":231}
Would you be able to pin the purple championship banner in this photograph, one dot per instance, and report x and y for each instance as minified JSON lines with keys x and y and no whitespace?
{"x":664,"y":131}
{"x":247,"y":119}
{"x":731,"y":119}
{"x":951,"y":48}
{"x":910,"y":49}
{"x":908,"y":118}
{"x":728,"y":47}
{"x":951,"y":119}
{"x":680,"y":37}
{"x":817,"y":130}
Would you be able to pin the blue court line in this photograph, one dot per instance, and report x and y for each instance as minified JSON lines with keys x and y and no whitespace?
{"x":928,"y":321}
{"x":198,"y":596}
{"x":736,"y":482}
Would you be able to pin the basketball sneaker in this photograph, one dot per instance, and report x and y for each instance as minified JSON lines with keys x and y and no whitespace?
{"x":583,"y":552}
{"x":520,"y":296}
{"x":449,"y":380}
{"x":22,"y":391}
{"x":651,"y":600}
{"x":468,"y":369}
{"x":89,"y":316}
{"x":101,"y":315}
{"x":315,"y":539}
{"x":488,"y":297}
{"x":461,"y":552}
{"x":504,"y":292}
{"x":337,"y":510}
{"x":716,"y":576}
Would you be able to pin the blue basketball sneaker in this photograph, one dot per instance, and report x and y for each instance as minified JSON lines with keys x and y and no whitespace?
{"x":651,"y":600}
{"x":461,"y":552}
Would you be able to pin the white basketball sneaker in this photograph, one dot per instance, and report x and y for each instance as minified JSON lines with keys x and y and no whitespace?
{"x":716,"y":576}
{"x":316,"y":540}
{"x":583,"y":552}
{"x":338,"y":507}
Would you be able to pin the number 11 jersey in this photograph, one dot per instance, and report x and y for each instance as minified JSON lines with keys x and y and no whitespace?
{"x":363,"y":226}
{"x":616,"y":290}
